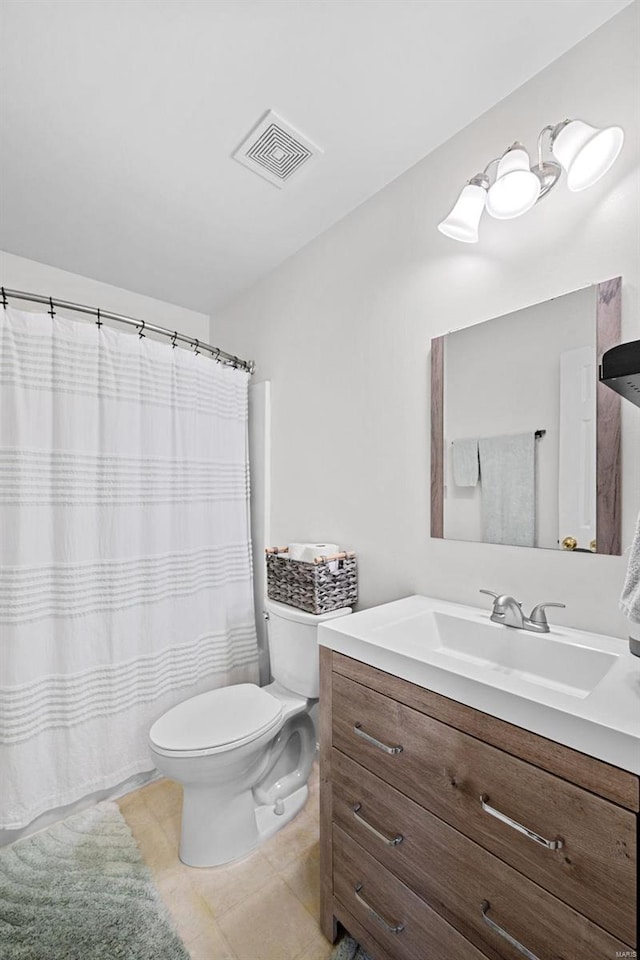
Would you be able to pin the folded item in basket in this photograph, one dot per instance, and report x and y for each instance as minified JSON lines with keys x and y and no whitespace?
{"x":307,"y":552}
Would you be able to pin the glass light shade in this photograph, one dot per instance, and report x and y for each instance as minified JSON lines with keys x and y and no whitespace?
{"x":462,"y":223}
{"x":586,"y":152}
{"x":515,"y":189}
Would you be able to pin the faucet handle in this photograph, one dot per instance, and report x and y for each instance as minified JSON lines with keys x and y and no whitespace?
{"x":538,"y":615}
{"x":490,"y":593}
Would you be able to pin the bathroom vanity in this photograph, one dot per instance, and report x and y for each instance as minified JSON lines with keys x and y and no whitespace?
{"x":451,"y":831}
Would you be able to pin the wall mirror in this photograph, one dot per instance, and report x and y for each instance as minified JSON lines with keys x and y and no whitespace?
{"x":525,"y":442}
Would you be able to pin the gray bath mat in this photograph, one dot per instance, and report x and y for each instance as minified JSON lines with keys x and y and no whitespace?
{"x":80,"y":891}
{"x":349,"y":949}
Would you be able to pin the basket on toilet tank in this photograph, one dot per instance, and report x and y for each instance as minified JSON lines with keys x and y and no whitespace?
{"x":327,"y":583}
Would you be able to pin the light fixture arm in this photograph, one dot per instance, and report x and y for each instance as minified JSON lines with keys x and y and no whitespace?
{"x":481,"y":179}
{"x":485,"y":172}
{"x":553,"y":129}
{"x":548,"y":129}
{"x":558,"y":127}
{"x":548,"y":171}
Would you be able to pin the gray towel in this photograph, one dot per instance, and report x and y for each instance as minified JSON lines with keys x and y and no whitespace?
{"x":465,"y":463}
{"x":508,"y":481}
{"x":630,"y":599}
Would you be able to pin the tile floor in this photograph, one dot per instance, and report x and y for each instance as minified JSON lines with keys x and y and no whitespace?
{"x":265,"y":907}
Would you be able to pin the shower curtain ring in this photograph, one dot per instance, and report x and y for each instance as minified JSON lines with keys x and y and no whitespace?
{"x":197,"y":348}
{"x":51,"y":312}
{"x":174,"y":339}
{"x":141,"y":333}
{"x":98,"y":321}
{"x":4,"y":299}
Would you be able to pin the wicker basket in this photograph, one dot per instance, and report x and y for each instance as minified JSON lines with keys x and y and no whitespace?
{"x":316,"y":587}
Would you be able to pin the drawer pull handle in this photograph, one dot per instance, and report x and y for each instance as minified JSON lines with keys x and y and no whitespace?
{"x":556,"y":844}
{"x":390,"y":841}
{"x":484,"y":906}
{"x":391,"y":927}
{"x":357,"y":728}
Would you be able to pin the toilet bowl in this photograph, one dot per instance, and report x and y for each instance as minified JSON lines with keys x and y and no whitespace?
{"x":243,"y":753}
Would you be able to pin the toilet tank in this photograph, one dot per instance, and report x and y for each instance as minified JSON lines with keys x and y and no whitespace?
{"x":293,"y":646}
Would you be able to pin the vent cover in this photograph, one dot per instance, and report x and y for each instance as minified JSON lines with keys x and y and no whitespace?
{"x":276,"y":150}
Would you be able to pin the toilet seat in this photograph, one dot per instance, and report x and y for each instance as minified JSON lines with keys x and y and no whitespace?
{"x":216,"y":721}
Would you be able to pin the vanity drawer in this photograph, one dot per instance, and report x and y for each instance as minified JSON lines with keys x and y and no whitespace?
{"x":405,"y":926}
{"x":448,"y":771}
{"x":454,"y":875}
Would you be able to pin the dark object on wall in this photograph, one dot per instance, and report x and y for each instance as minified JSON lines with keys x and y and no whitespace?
{"x":620,"y":370}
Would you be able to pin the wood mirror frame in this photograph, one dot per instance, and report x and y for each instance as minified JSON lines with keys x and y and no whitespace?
{"x":608,"y":429}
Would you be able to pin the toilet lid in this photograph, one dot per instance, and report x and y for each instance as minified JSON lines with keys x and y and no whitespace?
{"x":218,"y":718}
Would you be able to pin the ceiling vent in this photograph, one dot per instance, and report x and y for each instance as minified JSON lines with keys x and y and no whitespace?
{"x":276,"y":150}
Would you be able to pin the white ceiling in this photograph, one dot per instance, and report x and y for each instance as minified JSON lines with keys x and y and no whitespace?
{"x":120,"y":118}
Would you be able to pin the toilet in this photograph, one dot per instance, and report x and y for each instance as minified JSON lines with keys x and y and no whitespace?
{"x":243,"y":753}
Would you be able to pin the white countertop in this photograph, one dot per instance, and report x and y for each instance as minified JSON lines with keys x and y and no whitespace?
{"x":402,"y":638}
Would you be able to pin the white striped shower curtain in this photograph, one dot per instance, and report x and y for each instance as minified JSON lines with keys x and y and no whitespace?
{"x":125,"y":558}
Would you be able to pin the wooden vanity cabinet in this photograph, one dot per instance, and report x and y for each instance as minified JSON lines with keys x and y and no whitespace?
{"x":446,"y":833}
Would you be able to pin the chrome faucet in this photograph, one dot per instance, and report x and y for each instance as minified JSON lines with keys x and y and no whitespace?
{"x":509,"y":612}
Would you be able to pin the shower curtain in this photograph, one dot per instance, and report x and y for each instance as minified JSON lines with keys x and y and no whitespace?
{"x":125,"y":557}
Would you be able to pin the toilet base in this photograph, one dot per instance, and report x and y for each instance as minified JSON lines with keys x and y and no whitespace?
{"x":269,"y":822}
{"x":245,"y":825}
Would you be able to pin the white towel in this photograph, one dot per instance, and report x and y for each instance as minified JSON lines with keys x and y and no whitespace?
{"x":508,"y":481}
{"x":630,"y":599}
{"x":465,"y":463}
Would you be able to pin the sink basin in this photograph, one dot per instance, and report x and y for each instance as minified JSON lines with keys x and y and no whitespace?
{"x":566,"y":667}
{"x":578,"y":688}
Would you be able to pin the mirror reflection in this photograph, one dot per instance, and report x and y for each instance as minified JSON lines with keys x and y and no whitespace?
{"x":519,"y":427}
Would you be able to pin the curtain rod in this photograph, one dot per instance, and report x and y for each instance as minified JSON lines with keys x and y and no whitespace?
{"x":142,"y":325}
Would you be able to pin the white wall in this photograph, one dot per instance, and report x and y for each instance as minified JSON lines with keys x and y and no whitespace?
{"x":18,"y":273}
{"x":343,"y":329}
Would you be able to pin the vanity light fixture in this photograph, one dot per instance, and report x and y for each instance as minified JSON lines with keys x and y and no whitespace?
{"x":586,"y":153}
